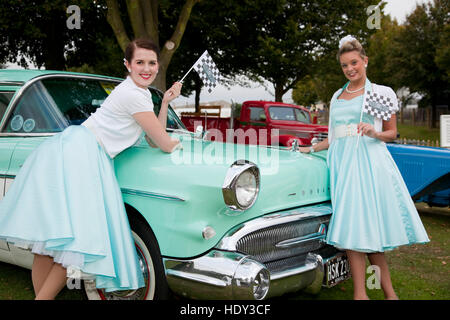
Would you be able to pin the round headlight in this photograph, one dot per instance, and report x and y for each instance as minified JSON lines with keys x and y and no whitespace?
{"x":246,"y":188}
{"x":241,"y":186}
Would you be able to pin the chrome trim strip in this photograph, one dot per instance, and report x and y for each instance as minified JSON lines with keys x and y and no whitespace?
{"x":196,"y":278}
{"x":45,"y":76}
{"x":7,"y":176}
{"x":229,"y":241}
{"x":320,"y":234}
{"x":151,"y":194}
{"x":14,"y":134}
{"x":11,"y":83}
{"x":127,"y":191}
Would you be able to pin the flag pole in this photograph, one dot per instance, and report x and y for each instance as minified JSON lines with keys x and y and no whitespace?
{"x":187,"y":73}
{"x":359,"y":134}
{"x":192,"y":67}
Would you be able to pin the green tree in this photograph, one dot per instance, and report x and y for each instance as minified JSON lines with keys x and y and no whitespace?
{"x":305,"y":92}
{"x":382,"y":67}
{"x":37,"y":31}
{"x":292,"y":39}
{"x":143,"y":17}
{"x":442,"y":58}
{"x":419,"y":57}
{"x":275,"y":40}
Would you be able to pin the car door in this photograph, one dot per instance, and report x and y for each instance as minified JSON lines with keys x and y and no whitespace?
{"x":6,"y":149}
{"x":45,"y":107}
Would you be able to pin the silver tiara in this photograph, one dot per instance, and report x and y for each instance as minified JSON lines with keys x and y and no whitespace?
{"x":346,"y":39}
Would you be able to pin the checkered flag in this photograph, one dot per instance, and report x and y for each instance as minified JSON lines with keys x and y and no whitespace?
{"x":379,"y":106}
{"x":207,"y":70}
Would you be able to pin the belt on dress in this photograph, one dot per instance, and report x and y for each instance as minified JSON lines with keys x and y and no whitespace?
{"x":346,"y":130}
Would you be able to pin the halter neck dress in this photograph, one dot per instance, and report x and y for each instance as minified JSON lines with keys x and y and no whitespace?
{"x":372,"y":208}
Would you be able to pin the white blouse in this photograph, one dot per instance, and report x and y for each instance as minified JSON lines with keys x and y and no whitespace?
{"x":113,"y":123}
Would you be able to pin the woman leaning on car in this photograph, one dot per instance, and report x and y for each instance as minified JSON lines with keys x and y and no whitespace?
{"x":65,"y":203}
{"x":372,"y":208}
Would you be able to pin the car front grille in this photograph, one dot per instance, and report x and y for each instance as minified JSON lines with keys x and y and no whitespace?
{"x":261,"y":245}
{"x":321,"y":136}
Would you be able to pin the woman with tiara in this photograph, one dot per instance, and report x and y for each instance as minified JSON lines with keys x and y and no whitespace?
{"x":372,"y":209}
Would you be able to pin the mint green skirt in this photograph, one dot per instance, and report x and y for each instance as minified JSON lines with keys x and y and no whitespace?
{"x":65,"y":202}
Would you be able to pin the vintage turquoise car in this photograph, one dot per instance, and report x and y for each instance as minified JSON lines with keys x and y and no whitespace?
{"x":210,"y":221}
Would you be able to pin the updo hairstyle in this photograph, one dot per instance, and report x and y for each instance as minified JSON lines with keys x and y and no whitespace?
{"x":353,"y":45}
{"x":144,"y":43}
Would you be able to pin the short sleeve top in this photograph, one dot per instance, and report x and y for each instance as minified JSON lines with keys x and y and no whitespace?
{"x":113,"y":123}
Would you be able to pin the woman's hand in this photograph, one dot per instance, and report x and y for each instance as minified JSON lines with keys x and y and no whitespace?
{"x":366,"y":129}
{"x":173,"y":92}
{"x":304,"y":149}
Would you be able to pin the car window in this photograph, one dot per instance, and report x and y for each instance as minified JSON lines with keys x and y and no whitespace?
{"x":256,"y":113}
{"x":5,"y":98}
{"x":302,"y":116}
{"x":173,"y":122}
{"x":288,"y":114}
{"x":36,"y":112}
{"x":77,"y":98}
{"x":52,"y":104}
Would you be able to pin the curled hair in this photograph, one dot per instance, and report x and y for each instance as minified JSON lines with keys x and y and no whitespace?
{"x":140,"y":43}
{"x":349,"y":46}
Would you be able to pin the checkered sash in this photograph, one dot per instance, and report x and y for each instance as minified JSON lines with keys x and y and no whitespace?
{"x":379,"y":106}
{"x":207,"y":70}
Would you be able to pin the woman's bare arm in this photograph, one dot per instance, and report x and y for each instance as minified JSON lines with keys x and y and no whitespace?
{"x":322,"y":145}
{"x":155,"y":131}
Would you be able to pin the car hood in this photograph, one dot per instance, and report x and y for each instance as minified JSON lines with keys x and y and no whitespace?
{"x":180,"y":193}
{"x":288,"y":179}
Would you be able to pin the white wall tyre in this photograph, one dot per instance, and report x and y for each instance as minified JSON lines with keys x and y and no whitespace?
{"x":147,"y":248}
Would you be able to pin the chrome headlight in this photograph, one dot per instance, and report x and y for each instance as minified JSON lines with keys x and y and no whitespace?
{"x":241,"y":186}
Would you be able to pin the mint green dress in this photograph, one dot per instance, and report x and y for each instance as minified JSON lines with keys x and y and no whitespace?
{"x":372,"y":208}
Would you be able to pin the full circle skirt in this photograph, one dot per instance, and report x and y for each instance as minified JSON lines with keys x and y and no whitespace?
{"x":372,"y":208}
{"x":66,"y":202}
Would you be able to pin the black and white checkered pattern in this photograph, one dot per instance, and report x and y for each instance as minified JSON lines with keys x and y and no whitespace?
{"x":379,"y":106}
{"x":207,"y":70}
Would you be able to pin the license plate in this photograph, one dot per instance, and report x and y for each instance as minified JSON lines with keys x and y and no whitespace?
{"x":336,"y":270}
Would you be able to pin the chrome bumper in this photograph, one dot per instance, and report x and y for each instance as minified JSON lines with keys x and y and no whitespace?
{"x":223,"y":275}
{"x":262,"y":258}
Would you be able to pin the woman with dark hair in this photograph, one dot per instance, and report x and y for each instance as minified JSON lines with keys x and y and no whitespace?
{"x":80,"y":217}
{"x":372,"y":209}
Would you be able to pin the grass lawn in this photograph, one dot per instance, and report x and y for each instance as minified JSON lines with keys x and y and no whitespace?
{"x":418,"y":132}
{"x":419,"y":272}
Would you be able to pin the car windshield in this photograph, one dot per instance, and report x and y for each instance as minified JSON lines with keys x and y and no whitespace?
{"x":289,"y":114}
{"x":54,"y":103}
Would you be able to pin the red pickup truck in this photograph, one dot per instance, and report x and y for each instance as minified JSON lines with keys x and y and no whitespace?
{"x":260,"y":122}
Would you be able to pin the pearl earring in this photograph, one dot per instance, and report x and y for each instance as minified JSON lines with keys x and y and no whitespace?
{"x":365,"y":66}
